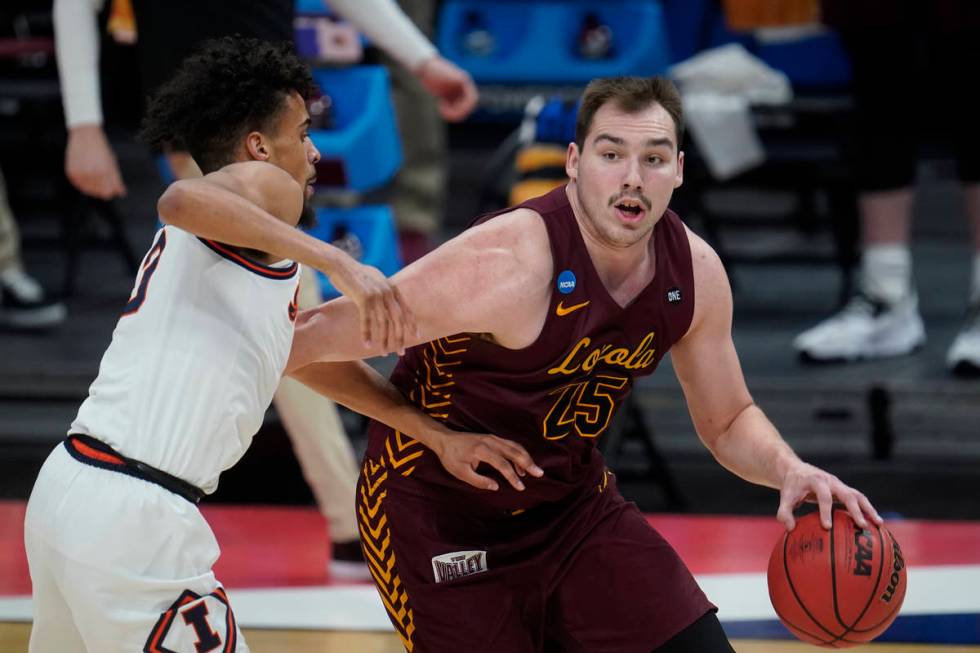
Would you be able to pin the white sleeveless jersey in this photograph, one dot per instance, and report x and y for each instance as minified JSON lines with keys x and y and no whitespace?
{"x":195,"y":358}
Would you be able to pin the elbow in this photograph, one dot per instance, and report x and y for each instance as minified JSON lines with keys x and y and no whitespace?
{"x":716,"y":433}
{"x":172,"y":205}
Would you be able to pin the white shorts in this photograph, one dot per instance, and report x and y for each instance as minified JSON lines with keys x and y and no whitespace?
{"x":121,"y":564}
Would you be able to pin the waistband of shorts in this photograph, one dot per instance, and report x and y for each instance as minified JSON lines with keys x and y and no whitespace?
{"x":95,"y":452}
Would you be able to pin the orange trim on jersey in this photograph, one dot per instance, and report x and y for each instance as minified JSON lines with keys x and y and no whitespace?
{"x":249,"y":264}
{"x":88,"y":451}
{"x":150,"y":263}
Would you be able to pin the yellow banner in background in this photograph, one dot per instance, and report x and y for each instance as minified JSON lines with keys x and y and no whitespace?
{"x":753,"y":14}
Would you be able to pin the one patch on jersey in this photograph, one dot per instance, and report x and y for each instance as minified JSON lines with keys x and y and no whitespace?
{"x":566,"y":282}
{"x":452,"y":566}
{"x":674,"y":296}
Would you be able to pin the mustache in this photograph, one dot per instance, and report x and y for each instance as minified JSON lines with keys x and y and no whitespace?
{"x":636,"y":196}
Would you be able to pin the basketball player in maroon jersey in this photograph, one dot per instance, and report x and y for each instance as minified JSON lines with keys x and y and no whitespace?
{"x":533,"y":325}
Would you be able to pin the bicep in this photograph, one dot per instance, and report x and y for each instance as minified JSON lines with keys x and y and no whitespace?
{"x":705,"y":359}
{"x":473,"y":283}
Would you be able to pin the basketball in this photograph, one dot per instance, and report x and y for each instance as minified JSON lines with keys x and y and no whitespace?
{"x":836,"y":588}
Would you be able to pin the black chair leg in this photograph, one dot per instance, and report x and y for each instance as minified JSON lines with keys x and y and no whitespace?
{"x":73,"y":214}
{"x":844,"y":224}
{"x":630,"y":424}
{"x":636,"y":426}
{"x":110,"y":214}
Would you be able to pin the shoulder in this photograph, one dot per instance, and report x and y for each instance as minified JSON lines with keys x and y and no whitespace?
{"x":511,"y":227}
{"x":518,"y":239}
{"x":264,"y":184}
{"x":712,"y":292}
{"x":255,"y":175}
{"x":704,"y":259}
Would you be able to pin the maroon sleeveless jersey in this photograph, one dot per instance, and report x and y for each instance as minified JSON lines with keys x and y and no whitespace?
{"x":558,"y":395}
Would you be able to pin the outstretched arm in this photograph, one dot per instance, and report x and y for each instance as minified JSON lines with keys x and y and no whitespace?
{"x":493,"y":279}
{"x":360,"y":388}
{"x":734,"y":429}
{"x":256,"y":205}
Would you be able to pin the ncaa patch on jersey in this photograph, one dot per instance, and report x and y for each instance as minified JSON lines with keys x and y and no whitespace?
{"x":674,"y":296}
{"x":566,"y":282}
{"x":452,"y":566}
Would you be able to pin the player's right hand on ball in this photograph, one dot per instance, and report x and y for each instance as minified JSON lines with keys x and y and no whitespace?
{"x":461,"y":453}
{"x":386,"y":319}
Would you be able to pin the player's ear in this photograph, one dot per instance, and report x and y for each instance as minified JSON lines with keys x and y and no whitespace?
{"x":571,"y":161}
{"x":257,"y":146}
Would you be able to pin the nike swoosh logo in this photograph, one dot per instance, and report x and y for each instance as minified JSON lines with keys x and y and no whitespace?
{"x":561,"y":311}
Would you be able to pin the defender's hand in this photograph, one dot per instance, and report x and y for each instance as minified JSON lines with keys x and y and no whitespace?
{"x":385,"y":317}
{"x":804,"y":482}
{"x":90,"y":164}
{"x":461,"y":453}
{"x":450,"y":85}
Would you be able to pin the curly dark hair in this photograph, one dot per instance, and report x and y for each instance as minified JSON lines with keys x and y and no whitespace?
{"x":228,"y":88}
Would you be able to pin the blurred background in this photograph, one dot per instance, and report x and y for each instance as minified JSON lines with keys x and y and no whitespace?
{"x":773,"y":181}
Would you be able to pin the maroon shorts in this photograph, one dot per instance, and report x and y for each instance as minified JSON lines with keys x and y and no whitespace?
{"x":587,"y":574}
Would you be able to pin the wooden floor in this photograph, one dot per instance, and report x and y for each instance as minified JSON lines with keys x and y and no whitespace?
{"x":14,"y":636}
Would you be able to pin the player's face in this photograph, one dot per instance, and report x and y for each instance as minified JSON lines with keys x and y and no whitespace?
{"x":293,"y":151}
{"x":625,"y":173}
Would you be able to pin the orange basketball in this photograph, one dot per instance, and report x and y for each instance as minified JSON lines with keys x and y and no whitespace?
{"x":836,"y":588}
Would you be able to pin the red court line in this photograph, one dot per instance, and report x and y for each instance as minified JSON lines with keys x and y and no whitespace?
{"x":261,"y":546}
{"x":267,"y":546}
{"x":712,"y":545}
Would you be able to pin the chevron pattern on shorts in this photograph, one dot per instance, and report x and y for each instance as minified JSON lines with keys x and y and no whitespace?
{"x":376,"y":543}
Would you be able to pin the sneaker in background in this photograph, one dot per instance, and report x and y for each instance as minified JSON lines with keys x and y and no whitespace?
{"x":864,"y":328}
{"x":24,"y":305}
{"x":963,"y":357}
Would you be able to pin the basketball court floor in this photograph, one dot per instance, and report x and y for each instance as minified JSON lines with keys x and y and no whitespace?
{"x":274,"y":566}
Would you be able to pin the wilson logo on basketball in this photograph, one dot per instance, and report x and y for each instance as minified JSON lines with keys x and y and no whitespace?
{"x":897,"y":566}
{"x":864,"y":545}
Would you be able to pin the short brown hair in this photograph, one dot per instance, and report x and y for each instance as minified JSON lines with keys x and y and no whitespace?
{"x":631,"y":94}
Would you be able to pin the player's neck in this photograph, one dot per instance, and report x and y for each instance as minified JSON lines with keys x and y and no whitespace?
{"x":624,"y":271}
{"x":619,"y":266}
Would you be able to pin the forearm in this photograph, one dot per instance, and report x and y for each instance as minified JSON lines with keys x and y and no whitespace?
{"x":752,"y":448}
{"x":389,"y":28}
{"x":359,"y":387}
{"x":210,"y":211}
{"x":77,"y":53}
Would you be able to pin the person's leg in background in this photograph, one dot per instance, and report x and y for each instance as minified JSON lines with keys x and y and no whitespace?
{"x":23,"y":303}
{"x":419,"y":188}
{"x":956,"y":54}
{"x":883,"y":319}
{"x":325,"y":456}
{"x":963,"y":357}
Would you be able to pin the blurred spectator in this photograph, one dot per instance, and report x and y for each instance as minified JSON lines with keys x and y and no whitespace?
{"x":914,"y":62}
{"x":419,"y":188}
{"x":165,"y":33}
{"x":23,"y":303}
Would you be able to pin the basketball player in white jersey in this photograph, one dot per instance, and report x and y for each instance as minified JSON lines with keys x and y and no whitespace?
{"x":120,"y":557}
